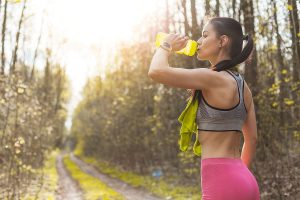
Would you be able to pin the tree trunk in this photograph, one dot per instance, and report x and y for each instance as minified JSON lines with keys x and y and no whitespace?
{"x":15,"y":55}
{"x":251,"y":75}
{"x":195,"y":27}
{"x":207,"y":7}
{"x":167,"y":20}
{"x":36,"y":51}
{"x":250,"y":70}
{"x":217,"y":10}
{"x":233,"y":9}
{"x":283,"y":71}
{"x":294,"y":28}
{"x":3,"y":38}
{"x":185,"y":22}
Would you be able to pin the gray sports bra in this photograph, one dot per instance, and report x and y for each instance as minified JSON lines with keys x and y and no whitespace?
{"x":216,"y":119}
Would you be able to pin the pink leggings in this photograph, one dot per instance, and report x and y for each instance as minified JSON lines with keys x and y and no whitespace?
{"x":227,"y":179}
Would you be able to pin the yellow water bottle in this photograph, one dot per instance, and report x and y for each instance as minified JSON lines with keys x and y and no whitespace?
{"x":189,"y":50}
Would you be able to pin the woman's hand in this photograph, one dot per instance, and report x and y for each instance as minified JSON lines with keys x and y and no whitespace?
{"x":177,"y":41}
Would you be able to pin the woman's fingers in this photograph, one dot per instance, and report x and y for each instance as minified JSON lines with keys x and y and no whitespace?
{"x":177,"y":40}
{"x":181,"y":41}
{"x":178,"y":36}
{"x":186,"y":42}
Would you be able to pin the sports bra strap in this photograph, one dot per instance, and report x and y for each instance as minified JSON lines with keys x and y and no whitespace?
{"x":239,"y":79}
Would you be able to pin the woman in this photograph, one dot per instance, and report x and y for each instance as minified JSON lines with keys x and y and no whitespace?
{"x":225,"y":109}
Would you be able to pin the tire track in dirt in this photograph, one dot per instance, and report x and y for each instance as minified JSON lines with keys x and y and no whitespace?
{"x":67,"y":187}
{"x":128,"y":191}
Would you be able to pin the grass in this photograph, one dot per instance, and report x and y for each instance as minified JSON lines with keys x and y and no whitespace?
{"x":92,"y":187}
{"x":159,"y":187}
{"x":49,"y":187}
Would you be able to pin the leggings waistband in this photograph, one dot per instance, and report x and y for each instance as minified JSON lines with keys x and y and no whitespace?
{"x":222,"y":160}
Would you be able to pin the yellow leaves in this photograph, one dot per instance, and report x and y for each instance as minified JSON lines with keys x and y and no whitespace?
{"x":274,"y":104}
{"x":49,"y":130}
{"x":296,"y":134}
{"x":157,"y":98}
{"x":273,"y":47}
{"x":298,"y":34}
{"x":289,"y":7}
{"x":20,"y":90}
{"x":190,"y":171}
{"x":127,"y":83}
{"x":19,"y":141}
{"x":17,"y":144}
{"x":28,"y":168}
{"x":271,"y":73}
{"x":288,"y":101}
{"x":154,"y":130}
{"x":284,"y":71}
{"x":287,"y":79}
{"x":14,"y":1}
{"x":274,"y":89}
{"x":159,"y":124}
{"x":295,"y":86}
{"x":121,"y":99}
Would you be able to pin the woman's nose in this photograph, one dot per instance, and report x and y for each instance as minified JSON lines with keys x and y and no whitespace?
{"x":199,"y":41}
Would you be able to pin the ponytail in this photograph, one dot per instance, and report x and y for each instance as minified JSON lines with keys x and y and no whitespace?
{"x":226,"y":64}
{"x":233,"y":29}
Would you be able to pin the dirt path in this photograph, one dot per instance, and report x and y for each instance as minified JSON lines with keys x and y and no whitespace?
{"x":129,"y":192}
{"x":67,"y":187}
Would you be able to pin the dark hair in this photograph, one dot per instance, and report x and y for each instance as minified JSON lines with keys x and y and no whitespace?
{"x":233,"y":29}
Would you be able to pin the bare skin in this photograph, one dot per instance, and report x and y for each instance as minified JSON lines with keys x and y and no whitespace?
{"x":223,"y":144}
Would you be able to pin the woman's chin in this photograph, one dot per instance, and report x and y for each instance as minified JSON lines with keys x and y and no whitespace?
{"x":199,"y":57}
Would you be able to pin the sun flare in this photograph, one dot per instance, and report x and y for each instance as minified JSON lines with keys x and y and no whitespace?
{"x":98,"y":20}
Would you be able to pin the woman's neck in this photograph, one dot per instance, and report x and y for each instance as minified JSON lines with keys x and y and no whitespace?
{"x":218,"y":59}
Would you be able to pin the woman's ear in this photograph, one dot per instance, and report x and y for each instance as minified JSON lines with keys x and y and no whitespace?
{"x":224,"y":41}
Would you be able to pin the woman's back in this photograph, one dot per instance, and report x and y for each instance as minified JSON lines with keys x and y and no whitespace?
{"x":220,"y":143}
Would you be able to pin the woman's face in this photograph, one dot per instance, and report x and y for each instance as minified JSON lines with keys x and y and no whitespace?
{"x":208,"y":44}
